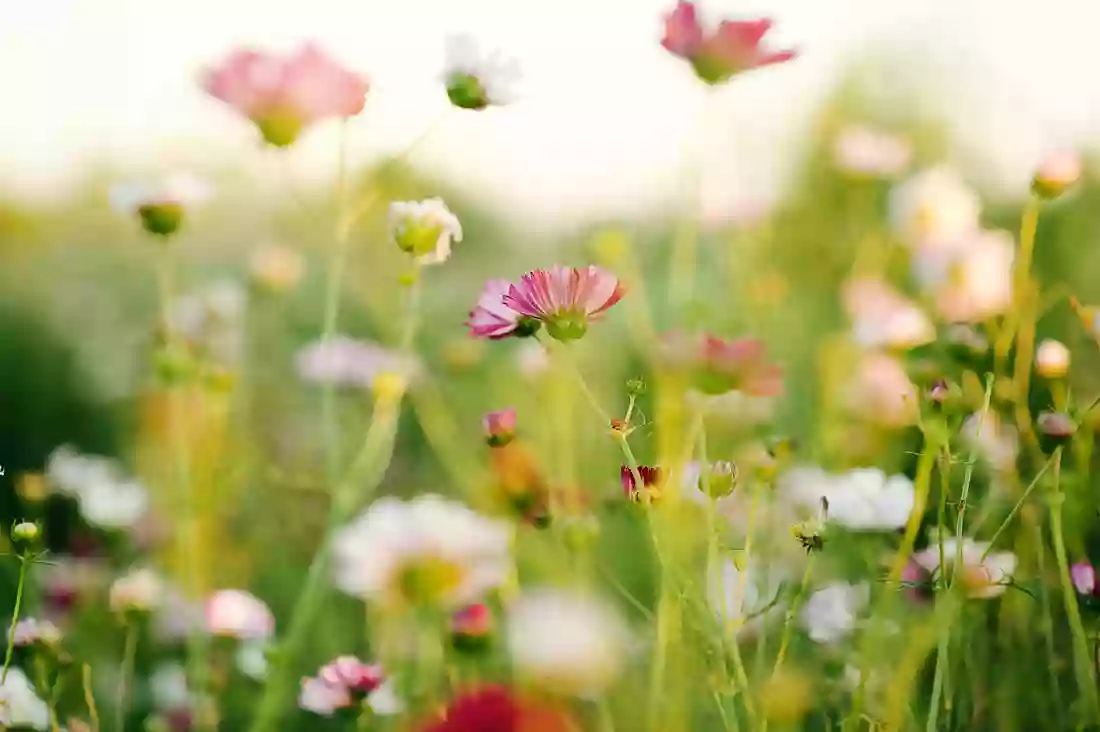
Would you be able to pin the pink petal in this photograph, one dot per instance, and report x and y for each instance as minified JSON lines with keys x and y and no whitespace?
{"x":683,"y":34}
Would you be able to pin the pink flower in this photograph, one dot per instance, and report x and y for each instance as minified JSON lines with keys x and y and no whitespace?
{"x":719,"y":366}
{"x":343,"y":683}
{"x":283,"y":95}
{"x":651,"y":482}
{"x":492,"y":318}
{"x":238,"y":614}
{"x":472,"y":621}
{"x":565,"y":299}
{"x":1056,"y":173}
{"x":352,"y":674}
{"x":499,"y":426}
{"x":1084,"y":578}
{"x":718,"y":55}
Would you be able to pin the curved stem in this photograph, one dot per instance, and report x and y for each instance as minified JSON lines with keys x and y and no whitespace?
{"x":14,"y":619}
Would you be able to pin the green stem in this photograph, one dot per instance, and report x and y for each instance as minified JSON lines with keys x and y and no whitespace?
{"x":1016,"y":509}
{"x":14,"y":618}
{"x":968,"y":474}
{"x":126,"y":675}
{"x":89,"y":697}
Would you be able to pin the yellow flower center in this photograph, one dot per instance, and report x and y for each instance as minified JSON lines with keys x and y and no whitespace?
{"x":428,"y":580}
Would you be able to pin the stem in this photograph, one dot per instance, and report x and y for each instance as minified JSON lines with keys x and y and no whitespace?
{"x":126,"y":674}
{"x":788,"y":622}
{"x":89,"y":697}
{"x":1021,"y":276}
{"x":922,"y":489}
{"x":968,"y":474}
{"x":1048,"y":626}
{"x":1016,"y":509}
{"x":14,"y":619}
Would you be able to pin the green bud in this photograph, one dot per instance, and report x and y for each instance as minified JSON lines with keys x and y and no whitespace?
{"x":26,"y":532}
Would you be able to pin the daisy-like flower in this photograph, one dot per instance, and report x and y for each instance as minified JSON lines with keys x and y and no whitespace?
{"x":745,"y":596}
{"x":345,"y":683}
{"x":652,"y":481}
{"x":717,"y":366}
{"x":1058,"y":172}
{"x":862,"y":500}
{"x":159,"y":204}
{"x":138,"y":591}
{"x":934,"y":208}
{"x":20,"y":706}
{"x":867,"y":152}
{"x":570,"y":643}
{"x":983,"y":576}
{"x":497,"y":709}
{"x":718,"y":54}
{"x":492,"y":318}
{"x":347,"y":362}
{"x":33,"y":631}
{"x":429,"y":550}
{"x":425,"y":229}
{"x":238,"y":614}
{"x":830,"y":613}
{"x":476,"y":80}
{"x":883,"y":317}
{"x":283,"y":95}
{"x":565,"y":299}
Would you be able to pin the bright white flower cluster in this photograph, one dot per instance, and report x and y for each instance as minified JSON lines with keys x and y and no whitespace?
{"x":106,"y":498}
{"x":863,"y":500}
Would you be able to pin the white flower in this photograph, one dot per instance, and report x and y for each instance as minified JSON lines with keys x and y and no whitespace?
{"x":168,"y":687}
{"x":882,"y":317}
{"x":569,"y":642}
{"x":934,"y":208}
{"x":212,"y":319}
{"x":830,"y":613}
{"x":972,"y":282}
{"x":105,"y":497}
{"x":322,"y":698}
{"x":384,"y":700}
{"x":347,"y":362}
{"x":20,"y":706}
{"x":424,"y":229}
{"x":29,"y":631}
{"x":995,"y":440}
{"x":429,"y":549}
{"x":69,"y":471}
{"x":982,"y":578}
{"x":744,"y":597}
{"x":866,"y":151}
{"x":179,"y":189}
{"x":475,"y":79}
{"x":251,"y":659}
{"x":863,"y":499}
{"x":238,"y":614}
{"x":138,"y":590}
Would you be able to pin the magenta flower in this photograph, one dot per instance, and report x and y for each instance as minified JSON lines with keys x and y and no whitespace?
{"x":492,"y":318}
{"x":565,"y":299}
{"x":1084,"y":578}
{"x":651,"y":482}
{"x":345,"y":682}
{"x":283,"y":95}
{"x":352,"y":674}
{"x":718,"y":55}
{"x":499,"y":426}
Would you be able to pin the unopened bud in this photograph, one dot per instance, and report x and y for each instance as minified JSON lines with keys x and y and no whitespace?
{"x":499,"y":427}
{"x":25,"y":531}
{"x":1052,"y":359}
{"x":722,"y":479}
{"x":1056,"y":173}
{"x":1055,"y":429}
{"x":472,"y":628}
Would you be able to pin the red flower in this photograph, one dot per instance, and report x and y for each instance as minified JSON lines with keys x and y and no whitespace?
{"x":497,"y":709}
{"x":651,"y":479}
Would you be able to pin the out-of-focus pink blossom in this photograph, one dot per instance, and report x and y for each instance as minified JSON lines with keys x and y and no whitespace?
{"x":867,"y":152}
{"x":973,"y":282}
{"x":1056,"y":173}
{"x":492,"y":318}
{"x":881,"y":316}
{"x":719,"y":54}
{"x":472,"y":621}
{"x":565,"y":299}
{"x":1084,"y":578}
{"x":499,"y":426}
{"x":283,"y":95}
{"x":343,"y":683}
{"x":880,"y":392}
{"x":719,"y":366}
{"x":238,"y":614}
{"x":352,"y":674}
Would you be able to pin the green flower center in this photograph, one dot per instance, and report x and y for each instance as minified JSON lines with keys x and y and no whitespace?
{"x":467,"y":92}
{"x":280,"y":127}
{"x":419,"y":238}
{"x":428,"y":580}
{"x":161,"y":218}
{"x":567,"y":325}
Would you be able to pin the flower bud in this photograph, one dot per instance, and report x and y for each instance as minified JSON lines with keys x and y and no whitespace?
{"x":1055,"y":429}
{"x":499,"y":427}
{"x":722,"y":479}
{"x":1052,"y":359}
{"x":1056,"y":173}
{"x":26,"y":532}
{"x":1084,"y":578}
{"x":472,"y":628}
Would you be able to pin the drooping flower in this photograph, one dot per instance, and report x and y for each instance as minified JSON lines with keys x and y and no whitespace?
{"x":475,"y":79}
{"x":138,"y":591}
{"x":865,"y":151}
{"x":344,"y":683}
{"x":494,"y":319}
{"x":830,"y":613}
{"x":238,"y":614}
{"x":719,"y":54}
{"x":865,"y":499}
{"x":20,"y":706}
{"x":569,"y":643}
{"x":283,"y":95}
{"x":883,"y":317}
{"x":347,"y":362}
{"x":934,"y":209}
{"x":499,"y":426}
{"x":35,"y":631}
{"x":276,"y":269}
{"x":159,"y":204}
{"x":425,"y":229}
{"x":652,"y":481}
{"x":984,"y":574}
{"x":497,"y":709}
{"x":1058,"y":172}
{"x":1052,"y":359}
{"x":428,"y":550}
{"x":565,"y":299}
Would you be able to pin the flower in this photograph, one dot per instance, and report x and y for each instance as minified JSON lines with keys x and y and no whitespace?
{"x":830,"y":613}
{"x":717,"y":55}
{"x":343,"y":683}
{"x":881,"y":393}
{"x":1052,"y":359}
{"x":1058,"y":172}
{"x":20,"y":706}
{"x":424,"y":229}
{"x":33,"y":631}
{"x":238,"y":614}
{"x":499,"y":426}
{"x":106,"y":499}
{"x":570,"y":643}
{"x":139,"y":590}
{"x":471,"y":626}
{"x":1084,"y":578}
{"x":721,"y":480}
{"x":344,"y":361}
{"x":652,"y":480}
{"x":865,"y":499}
{"x":868,"y":152}
{"x":168,"y":687}
{"x":743,"y":596}
{"x":159,"y":204}
{"x":276,"y":269}
{"x":997,"y":441}
{"x":972,"y":281}
{"x":985,"y":574}
{"x":882,"y":317}
{"x":475,"y":80}
{"x":934,"y":208}
{"x":427,"y":550}
{"x":717,"y":366}
{"x":283,"y":95}
{"x":565,"y":299}
{"x":492,"y":318}
{"x":251,"y":659}
{"x":497,"y":709}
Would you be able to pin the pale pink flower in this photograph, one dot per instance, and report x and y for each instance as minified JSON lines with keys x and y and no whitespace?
{"x":345,"y":681}
{"x":880,"y":392}
{"x":30,"y":631}
{"x":984,"y":574}
{"x":491,"y":318}
{"x":881,"y":316}
{"x":238,"y":614}
{"x":1056,"y":173}
{"x":352,"y":674}
{"x":868,"y":152}
{"x":1084,"y":578}
{"x":565,"y":299}
{"x":972,"y":282}
{"x":720,"y":366}
{"x":499,"y":426}
{"x":719,"y":54}
{"x":347,"y":362}
{"x":284,"y":94}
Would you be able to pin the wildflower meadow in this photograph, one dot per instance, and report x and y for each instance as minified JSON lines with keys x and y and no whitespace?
{"x":828,"y":467}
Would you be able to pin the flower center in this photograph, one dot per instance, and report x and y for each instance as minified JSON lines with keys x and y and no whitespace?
{"x":419,"y":238}
{"x":161,"y":218}
{"x":280,"y":127}
{"x":428,"y":580}
{"x":567,"y":325}
{"x":467,"y":92}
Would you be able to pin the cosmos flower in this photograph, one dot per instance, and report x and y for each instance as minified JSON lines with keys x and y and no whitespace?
{"x":344,"y":683}
{"x":139,"y":590}
{"x":498,"y":709}
{"x":425,"y":229}
{"x":934,"y":209}
{"x":347,"y":362}
{"x":719,"y":54}
{"x":565,"y":299}
{"x":982,"y":577}
{"x":238,"y":614}
{"x":830,"y":613}
{"x":972,"y":281}
{"x":476,"y":80}
{"x":1084,"y":578}
{"x":283,"y":95}
{"x":159,"y":203}
{"x":492,"y":318}
{"x":865,"y":151}
{"x":880,"y":391}
{"x":718,"y":366}
{"x":33,"y":631}
{"x":428,"y":550}
{"x":499,"y":426}
{"x":106,"y":498}
{"x":20,"y":706}
{"x":883,"y":317}
{"x":865,"y":499}
{"x":569,"y":643}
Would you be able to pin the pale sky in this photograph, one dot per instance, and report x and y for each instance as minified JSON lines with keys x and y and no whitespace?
{"x":602,"y":125}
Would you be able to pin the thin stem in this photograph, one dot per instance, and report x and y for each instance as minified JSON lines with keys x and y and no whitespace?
{"x":1048,"y":626}
{"x":968,"y":474}
{"x":126,"y":674}
{"x":921,"y":490}
{"x":14,"y":618}
{"x":792,"y":611}
{"x":1016,"y":509}
{"x":89,"y":696}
